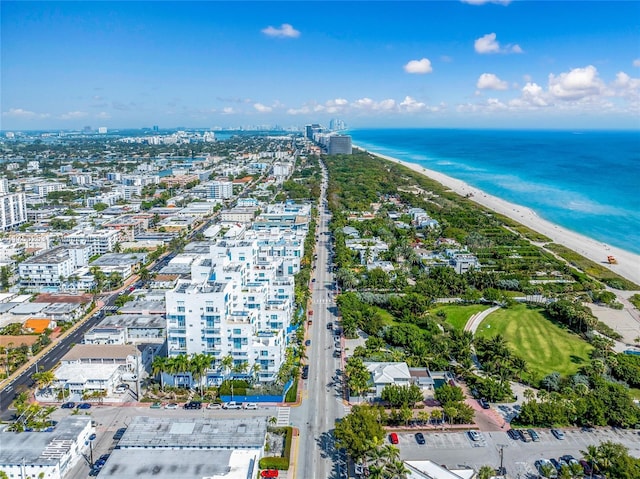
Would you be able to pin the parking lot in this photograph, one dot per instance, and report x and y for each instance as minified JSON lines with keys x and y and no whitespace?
{"x":457,"y":449}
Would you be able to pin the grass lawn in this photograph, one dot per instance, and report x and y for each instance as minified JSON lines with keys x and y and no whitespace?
{"x":458,"y":315}
{"x":545,"y":346}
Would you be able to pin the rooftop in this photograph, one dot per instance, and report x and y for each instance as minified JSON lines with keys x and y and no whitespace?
{"x":99,"y":351}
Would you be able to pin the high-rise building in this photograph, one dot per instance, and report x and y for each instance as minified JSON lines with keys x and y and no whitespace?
{"x":310,"y":130}
{"x":102,"y":130}
{"x":13,"y":211}
{"x":337,"y":125}
{"x":221,"y":190}
{"x":339,"y":145}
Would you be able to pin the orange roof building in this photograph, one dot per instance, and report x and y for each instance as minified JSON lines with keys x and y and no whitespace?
{"x":37,"y":325}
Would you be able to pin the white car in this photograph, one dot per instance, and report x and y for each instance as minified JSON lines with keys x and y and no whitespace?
{"x":232,"y":405}
{"x":171,"y":405}
{"x":251,"y":405}
{"x":214,"y":405}
{"x":120,"y":390}
{"x":475,"y":436}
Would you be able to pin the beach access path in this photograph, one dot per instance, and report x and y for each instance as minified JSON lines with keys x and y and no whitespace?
{"x":628,"y":263}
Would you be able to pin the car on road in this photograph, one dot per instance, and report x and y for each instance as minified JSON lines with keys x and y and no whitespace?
{"x":251,"y":405}
{"x":534,"y":435}
{"x":92,"y":437}
{"x":232,"y":405}
{"x":156,"y":405}
{"x":475,"y":436}
{"x":558,"y":434}
{"x":307,"y":342}
{"x":119,"y":433}
{"x":68,"y":405}
{"x":192,"y":405}
{"x":393,"y":437}
{"x":305,"y":371}
{"x":420,"y":438}
{"x":171,"y":405}
{"x":269,"y":473}
{"x":329,"y":325}
{"x":214,"y":405}
{"x":84,"y":405}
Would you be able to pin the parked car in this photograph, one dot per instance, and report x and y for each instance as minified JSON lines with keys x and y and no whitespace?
{"x":475,"y":436}
{"x":120,"y":389}
{"x":540,"y":463}
{"x":525,"y":436}
{"x":307,"y":342}
{"x":269,"y":473}
{"x":119,"y":433}
{"x":558,"y":433}
{"x":420,"y":438}
{"x":232,"y":405}
{"x":586,"y":467}
{"x":84,"y":405}
{"x":171,"y":405}
{"x":193,"y":405}
{"x":393,"y":437}
{"x":92,"y":437}
{"x":214,"y":405}
{"x":513,"y":434}
{"x":251,"y":405}
{"x":329,"y":325}
{"x":534,"y":435}
{"x":68,"y":405}
{"x":483,"y":403}
{"x":156,"y":405}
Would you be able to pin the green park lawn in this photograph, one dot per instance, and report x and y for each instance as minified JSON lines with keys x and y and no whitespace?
{"x":545,"y":346}
{"x":458,"y":315}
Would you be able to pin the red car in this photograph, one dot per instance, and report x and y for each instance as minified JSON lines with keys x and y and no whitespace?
{"x":393,"y":437}
{"x":269,"y":473}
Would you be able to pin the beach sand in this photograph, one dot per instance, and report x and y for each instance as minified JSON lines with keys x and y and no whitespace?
{"x":628,"y":263}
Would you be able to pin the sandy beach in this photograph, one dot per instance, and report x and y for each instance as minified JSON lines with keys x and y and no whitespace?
{"x":628,"y":263}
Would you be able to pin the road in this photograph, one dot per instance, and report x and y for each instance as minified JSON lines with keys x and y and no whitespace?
{"x":322,"y":396}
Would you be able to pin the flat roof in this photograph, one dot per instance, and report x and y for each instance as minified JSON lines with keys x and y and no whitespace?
{"x":100,"y":351}
{"x":183,"y":464}
{"x":202,"y":433}
{"x":132,"y":321}
{"x":42,"y":448}
{"x":83,"y":372}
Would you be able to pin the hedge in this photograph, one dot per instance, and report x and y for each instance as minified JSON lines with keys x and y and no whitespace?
{"x":281,"y":463}
{"x":292,"y":393}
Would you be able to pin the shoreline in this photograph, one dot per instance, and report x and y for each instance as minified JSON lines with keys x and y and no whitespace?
{"x":628,"y":263}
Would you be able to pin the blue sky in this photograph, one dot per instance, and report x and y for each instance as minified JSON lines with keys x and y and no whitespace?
{"x":473,"y":63}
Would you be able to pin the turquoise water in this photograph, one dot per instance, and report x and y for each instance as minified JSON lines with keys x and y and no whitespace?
{"x":587,"y":181}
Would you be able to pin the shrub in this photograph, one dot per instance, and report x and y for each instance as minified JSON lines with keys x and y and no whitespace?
{"x":292,"y":393}
{"x":281,"y":463}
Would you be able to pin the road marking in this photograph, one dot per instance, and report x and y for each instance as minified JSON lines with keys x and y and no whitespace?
{"x":283,"y":416}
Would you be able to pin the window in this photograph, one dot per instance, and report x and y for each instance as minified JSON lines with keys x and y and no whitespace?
{"x":264,"y":353}
{"x":237,"y":331}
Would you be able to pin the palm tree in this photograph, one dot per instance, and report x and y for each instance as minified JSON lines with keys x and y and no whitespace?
{"x":486,"y":472}
{"x":396,"y":470}
{"x":227,"y":363}
{"x":43,"y":379}
{"x":198,"y":365}
{"x":181,"y":364}
{"x":547,"y":470}
{"x":158,"y":367}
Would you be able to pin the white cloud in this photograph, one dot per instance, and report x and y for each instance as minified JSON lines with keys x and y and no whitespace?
{"x":636,"y":62}
{"x":285,"y":31}
{"x":103,"y":115}
{"x":227,"y":110}
{"x":72,"y":115}
{"x":410,"y":105}
{"x":419,"y":66}
{"x":26,"y":114}
{"x":489,"y":81}
{"x":483,"y":2}
{"x":487,"y":44}
{"x":262,"y":108}
{"x":577,"y":84}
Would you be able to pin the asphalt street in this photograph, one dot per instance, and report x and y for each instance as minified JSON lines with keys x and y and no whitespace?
{"x":322,"y":396}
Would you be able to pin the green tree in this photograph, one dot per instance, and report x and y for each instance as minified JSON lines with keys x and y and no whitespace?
{"x":360,"y":431}
{"x":358,"y":377}
{"x":486,"y":472}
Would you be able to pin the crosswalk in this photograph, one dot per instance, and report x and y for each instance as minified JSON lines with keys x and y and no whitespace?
{"x":283,"y":416}
{"x":323,"y":301}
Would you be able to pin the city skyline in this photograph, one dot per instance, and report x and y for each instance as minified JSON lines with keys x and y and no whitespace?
{"x":467,"y":64}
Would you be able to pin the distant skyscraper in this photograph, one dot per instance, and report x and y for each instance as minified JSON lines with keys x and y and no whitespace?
{"x":310,"y":130}
{"x":337,"y":125}
{"x":102,"y":130}
{"x":155,"y":128}
{"x":339,"y":145}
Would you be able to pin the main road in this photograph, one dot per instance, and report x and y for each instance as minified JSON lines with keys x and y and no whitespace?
{"x":321,"y":393}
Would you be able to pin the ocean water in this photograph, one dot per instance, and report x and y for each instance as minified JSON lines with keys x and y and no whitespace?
{"x":586,"y":181}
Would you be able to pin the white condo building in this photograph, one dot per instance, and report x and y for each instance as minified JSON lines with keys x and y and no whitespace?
{"x":99,"y":241}
{"x":234,"y":305}
{"x":13,"y":211}
{"x":47,"y":271}
{"x":220,"y":190}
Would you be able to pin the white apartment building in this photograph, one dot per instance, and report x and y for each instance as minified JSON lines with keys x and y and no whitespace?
{"x":220,"y":190}
{"x":4,"y":186}
{"x":233,"y":305}
{"x":129,"y":191}
{"x":43,"y":189}
{"x":109,"y":199}
{"x":83,"y":179}
{"x":48,"y":270}
{"x":9,"y":249}
{"x":98,"y":241}
{"x":32,"y":241}
{"x":13,"y":211}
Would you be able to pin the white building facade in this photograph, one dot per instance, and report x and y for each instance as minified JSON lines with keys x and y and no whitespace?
{"x":13,"y":211}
